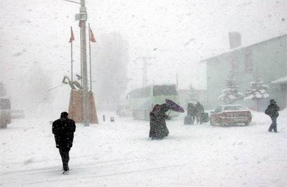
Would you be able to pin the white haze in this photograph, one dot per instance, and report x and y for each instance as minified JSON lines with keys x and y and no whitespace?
{"x":177,"y":35}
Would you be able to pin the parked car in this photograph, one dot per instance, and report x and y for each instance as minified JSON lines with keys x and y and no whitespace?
{"x":5,"y":112}
{"x":230,"y":115}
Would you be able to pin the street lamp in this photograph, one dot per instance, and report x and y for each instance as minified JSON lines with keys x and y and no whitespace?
{"x":82,"y":18}
{"x":145,"y":64}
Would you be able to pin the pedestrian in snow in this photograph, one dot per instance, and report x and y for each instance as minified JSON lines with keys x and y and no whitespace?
{"x":272,"y":111}
{"x":199,"y":110}
{"x":191,"y":111}
{"x":64,"y":129}
{"x":158,"y":128}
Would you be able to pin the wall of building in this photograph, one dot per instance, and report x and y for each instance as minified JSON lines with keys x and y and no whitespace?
{"x":268,"y":59}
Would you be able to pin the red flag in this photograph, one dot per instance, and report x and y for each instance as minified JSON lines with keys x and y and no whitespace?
{"x":92,"y":37}
{"x":72,"y":36}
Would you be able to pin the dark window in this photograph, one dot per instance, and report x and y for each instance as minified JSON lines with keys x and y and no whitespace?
{"x":164,"y":90}
{"x":142,"y":92}
{"x":248,"y":62}
{"x":218,"y":109}
{"x":234,"y":64}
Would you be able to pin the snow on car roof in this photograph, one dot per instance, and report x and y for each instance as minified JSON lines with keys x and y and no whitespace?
{"x":234,"y":107}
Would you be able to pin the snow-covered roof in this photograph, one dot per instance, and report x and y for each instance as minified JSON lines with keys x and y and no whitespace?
{"x":282,"y":80}
{"x":241,"y":48}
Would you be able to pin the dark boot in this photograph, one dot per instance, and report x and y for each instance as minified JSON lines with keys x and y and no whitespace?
{"x":65,"y":167}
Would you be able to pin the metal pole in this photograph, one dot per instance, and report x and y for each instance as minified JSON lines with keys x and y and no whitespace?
{"x":83,"y":11}
{"x":144,"y":72}
{"x":72,"y":60}
{"x":72,"y":101}
{"x":145,"y":64}
{"x":90,"y":56}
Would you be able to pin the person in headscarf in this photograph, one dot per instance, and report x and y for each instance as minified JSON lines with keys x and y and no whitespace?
{"x":158,"y":128}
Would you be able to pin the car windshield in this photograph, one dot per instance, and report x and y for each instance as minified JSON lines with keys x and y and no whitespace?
{"x":234,"y":108}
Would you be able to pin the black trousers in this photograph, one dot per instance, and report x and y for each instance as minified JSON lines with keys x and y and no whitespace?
{"x":64,"y":152}
{"x":273,"y":125}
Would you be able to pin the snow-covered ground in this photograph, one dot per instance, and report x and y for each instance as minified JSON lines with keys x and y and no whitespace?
{"x":120,"y":154}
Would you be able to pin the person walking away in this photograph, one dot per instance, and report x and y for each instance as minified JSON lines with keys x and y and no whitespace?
{"x":191,"y":112}
{"x":63,"y":130}
{"x":158,"y":128}
{"x":273,"y":111}
{"x":199,"y":110}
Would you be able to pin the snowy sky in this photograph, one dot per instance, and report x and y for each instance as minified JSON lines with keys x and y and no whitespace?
{"x":176,"y":34}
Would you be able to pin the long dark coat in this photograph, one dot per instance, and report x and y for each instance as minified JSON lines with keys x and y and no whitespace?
{"x":64,"y":129}
{"x":199,"y":108}
{"x":158,"y":128}
{"x":191,"y":110}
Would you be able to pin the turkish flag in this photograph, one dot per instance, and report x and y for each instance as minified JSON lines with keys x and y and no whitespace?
{"x":92,"y":37}
{"x":72,"y":36}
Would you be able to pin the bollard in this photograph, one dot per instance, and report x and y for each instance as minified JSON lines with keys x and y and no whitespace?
{"x":104,"y":117}
{"x":112,"y":119}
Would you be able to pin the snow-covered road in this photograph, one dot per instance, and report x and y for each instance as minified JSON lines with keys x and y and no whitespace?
{"x":119,"y":154}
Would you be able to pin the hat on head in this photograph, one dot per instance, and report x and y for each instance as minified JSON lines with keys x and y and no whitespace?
{"x":64,"y":114}
{"x":272,"y":101}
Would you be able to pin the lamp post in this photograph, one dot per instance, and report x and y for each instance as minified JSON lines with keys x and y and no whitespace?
{"x":82,"y":18}
{"x":145,"y":64}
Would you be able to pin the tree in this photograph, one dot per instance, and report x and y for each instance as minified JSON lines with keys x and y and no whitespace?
{"x":231,"y":93}
{"x":191,"y":95}
{"x":257,"y":91}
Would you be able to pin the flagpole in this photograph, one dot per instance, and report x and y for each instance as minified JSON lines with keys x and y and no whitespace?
{"x":72,"y":59}
{"x":90,"y":58}
{"x":71,"y":100}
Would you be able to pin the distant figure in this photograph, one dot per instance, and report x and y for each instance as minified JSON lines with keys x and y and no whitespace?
{"x":191,"y":111}
{"x":64,"y":129}
{"x":199,"y":110}
{"x":158,"y":129}
{"x":272,"y":111}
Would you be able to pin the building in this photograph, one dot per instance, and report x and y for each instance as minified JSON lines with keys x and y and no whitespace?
{"x":268,"y":59}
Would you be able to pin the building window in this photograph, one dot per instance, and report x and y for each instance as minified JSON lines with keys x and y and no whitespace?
{"x":234,"y":64}
{"x":248,"y":62}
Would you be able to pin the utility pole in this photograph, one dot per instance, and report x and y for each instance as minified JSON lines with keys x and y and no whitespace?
{"x":83,"y":18}
{"x":85,"y":97}
{"x":145,"y":64}
{"x":144,"y":72}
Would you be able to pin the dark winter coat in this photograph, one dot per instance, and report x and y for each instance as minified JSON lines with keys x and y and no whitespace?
{"x":272,"y":110}
{"x":64,"y":129}
{"x":158,"y":128}
{"x":199,"y":108}
{"x":191,"y":110}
